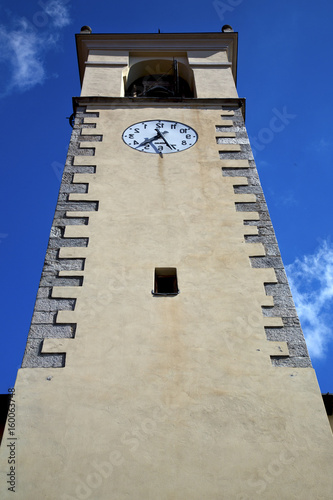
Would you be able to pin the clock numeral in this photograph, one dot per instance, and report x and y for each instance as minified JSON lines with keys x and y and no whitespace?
{"x":184,"y":143}
{"x":136,"y":130}
{"x":160,"y":148}
{"x":173,"y":125}
{"x":144,"y":125}
{"x":183,"y":130}
{"x":188,"y":136}
{"x":159,"y":125}
{"x":131,"y":136}
{"x":135,"y":143}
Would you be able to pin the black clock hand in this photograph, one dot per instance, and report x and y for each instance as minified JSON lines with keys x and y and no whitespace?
{"x":163,"y":137}
{"x":146,"y":141}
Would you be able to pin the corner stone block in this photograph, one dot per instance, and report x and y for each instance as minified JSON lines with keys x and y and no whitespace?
{"x":79,"y":178}
{"x":65,"y":274}
{"x":255,"y":249}
{"x":224,"y":135}
{"x":250,"y":230}
{"x":73,"y":252}
{"x":249,"y":216}
{"x":66,"y":317}
{"x":268,"y":301}
{"x":242,"y":198}
{"x":87,"y":120}
{"x":234,"y":163}
{"x":83,"y":161}
{"x":278,"y":348}
{"x":66,"y":292}
{"x":226,"y":123}
{"x":54,"y":346}
{"x":88,"y":144}
{"x":229,"y":147}
{"x":267,"y":275}
{"x":77,"y":231}
{"x":92,"y":131}
{"x":271,"y":322}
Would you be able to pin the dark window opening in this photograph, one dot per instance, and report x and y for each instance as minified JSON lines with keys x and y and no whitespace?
{"x":156,"y":78}
{"x":159,"y":86}
{"x":166,"y":282}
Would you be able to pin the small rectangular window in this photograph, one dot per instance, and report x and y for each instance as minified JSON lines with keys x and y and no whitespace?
{"x":165,"y":281}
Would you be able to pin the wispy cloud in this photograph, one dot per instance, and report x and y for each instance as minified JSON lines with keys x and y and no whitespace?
{"x":311,"y":282}
{"x":22,"y":52}
{"x":25,"y":45}
{"x":58,"y":12}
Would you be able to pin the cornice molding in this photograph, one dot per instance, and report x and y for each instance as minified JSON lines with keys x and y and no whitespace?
{"x":111,"y":64}
{"x":172,"y":102}
{"x":211,"y":64}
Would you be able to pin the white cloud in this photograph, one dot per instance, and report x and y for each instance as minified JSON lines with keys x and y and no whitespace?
{"x":57,"y":10}
{"x":311,"y":282}
{"x":21,"y":51}
{"x":25,"y":46}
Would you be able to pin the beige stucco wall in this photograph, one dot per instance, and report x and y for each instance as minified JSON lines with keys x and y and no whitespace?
{"x":167,"y":398}
{"x":104,"y":71}
{"x":104,"y":80}
{"x":212,"y":73}
{"x":220,"y":82}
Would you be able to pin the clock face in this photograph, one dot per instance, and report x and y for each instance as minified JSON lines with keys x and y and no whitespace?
{"x":160,"y":136}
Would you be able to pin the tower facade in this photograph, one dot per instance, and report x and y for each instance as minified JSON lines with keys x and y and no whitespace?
{"x":165,"y":357}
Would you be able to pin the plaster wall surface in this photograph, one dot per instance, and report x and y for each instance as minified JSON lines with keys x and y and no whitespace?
{"x":108,"y":56}
{"x":207,"y":56}
{"x":104,"y":71}
{"x":104,"y":80}
{"x":220,"y":82}
{"x":173,"y":397}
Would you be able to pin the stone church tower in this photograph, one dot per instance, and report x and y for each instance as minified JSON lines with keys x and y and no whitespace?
{"x":165,"y":358}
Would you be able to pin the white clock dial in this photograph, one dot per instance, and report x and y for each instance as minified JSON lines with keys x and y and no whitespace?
{"x":160,"y":136}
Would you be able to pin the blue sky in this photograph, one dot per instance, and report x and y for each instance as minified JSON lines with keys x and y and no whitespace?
{"x":285,"y":67}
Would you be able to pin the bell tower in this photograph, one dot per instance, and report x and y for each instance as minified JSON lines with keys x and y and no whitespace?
{"x":165,"y":359}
